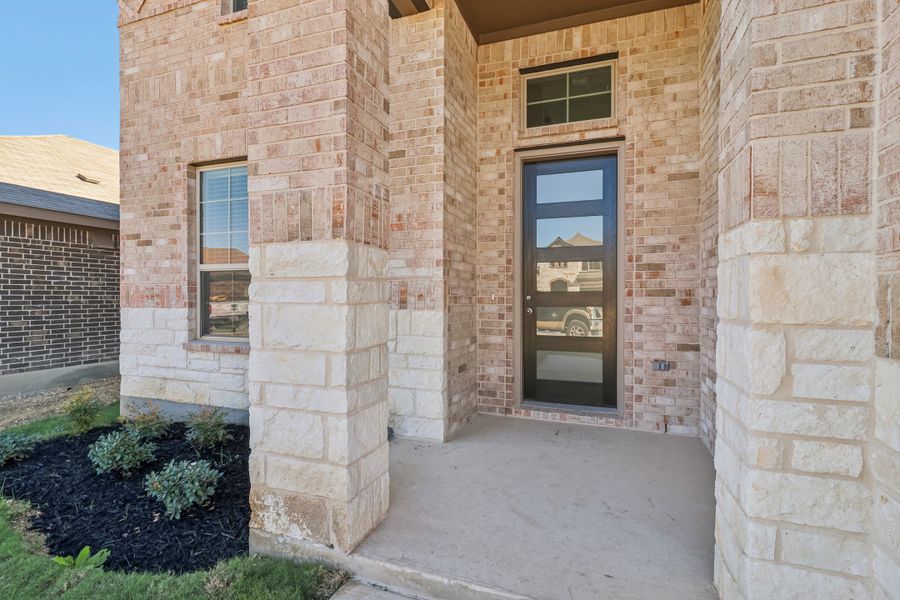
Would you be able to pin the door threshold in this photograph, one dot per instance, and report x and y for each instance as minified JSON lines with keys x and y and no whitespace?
{"x":571,"y":408}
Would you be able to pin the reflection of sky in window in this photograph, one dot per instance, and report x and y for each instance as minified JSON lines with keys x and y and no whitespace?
{"x":567,"y":229}
{"x":569,"y":187}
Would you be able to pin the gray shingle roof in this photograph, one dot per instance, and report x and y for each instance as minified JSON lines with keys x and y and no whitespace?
{"x":26,"y":196}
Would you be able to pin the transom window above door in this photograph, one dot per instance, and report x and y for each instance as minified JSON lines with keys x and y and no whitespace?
{"x":570,"y":94}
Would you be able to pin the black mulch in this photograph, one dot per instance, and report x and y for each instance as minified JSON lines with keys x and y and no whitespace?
{"x":80,"y":508}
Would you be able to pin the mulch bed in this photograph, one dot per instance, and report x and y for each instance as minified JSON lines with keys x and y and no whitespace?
{"x":81,"y":508}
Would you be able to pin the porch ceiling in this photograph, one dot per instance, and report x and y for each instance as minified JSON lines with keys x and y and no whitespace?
{"x":499,"y":20}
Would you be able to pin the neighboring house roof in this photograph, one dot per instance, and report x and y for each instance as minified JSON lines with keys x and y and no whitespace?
{"x":44,"y":200}
{"x":54,"y":163}
{"x":61,"y":179}
{"x":576,"y":240}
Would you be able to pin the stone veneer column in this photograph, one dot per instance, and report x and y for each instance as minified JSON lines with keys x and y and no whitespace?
{"x":884,"y":447}
{"x":318,"y":301}
{"x":796,"y":301}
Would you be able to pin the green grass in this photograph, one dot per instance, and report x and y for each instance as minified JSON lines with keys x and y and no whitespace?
{"x":28,"y":573}
{"x":56,"y":426}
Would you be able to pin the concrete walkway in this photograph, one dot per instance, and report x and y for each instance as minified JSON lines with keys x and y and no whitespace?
{"x":550,"y":512}
{"x":353,"y":590}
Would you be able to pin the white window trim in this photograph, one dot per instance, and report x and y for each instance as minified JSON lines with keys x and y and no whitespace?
{"x":201,"y":267}
{"x":565,"y":70}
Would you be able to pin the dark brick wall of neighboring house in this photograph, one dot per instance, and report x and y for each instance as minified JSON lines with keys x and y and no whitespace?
{"x":59,"y":295}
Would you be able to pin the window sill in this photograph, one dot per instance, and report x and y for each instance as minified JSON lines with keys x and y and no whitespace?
{"x":233,"y":17}
{"x":217,"y":346}
{"x":609,"y":125}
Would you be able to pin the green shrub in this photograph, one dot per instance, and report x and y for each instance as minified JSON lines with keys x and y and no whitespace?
{"x":181,"y":485}
{"x":81,"y":410}
{"x":149,"y":425}
{"x":206,"y":428}
{"x":120,"y":452}
{"x":14,"y":446}
{"x":84,"y":560}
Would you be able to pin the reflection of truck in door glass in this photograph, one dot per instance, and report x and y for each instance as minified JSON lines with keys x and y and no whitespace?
{"x":572,"y":321}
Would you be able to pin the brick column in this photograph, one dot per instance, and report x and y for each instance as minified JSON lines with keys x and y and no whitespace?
{"x":318,"y":302}
{"x":796,"y":299}
{"x":433,"y":195}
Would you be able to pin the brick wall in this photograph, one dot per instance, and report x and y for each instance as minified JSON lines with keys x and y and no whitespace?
{"x":183,"y":88}
{"x":59,"y":297}
{"x":658,"y":114}
{"x":432,"y":240}
{"x":710,"y":47}
{"x":418,"y":384}
{"x":460,"y":258}
{"x":183,"y":83}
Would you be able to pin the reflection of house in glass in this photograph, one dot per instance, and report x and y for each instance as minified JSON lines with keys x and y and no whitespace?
{"x":226,"y":294}
{"x":573,"y":276}
{"x":227,"y":309}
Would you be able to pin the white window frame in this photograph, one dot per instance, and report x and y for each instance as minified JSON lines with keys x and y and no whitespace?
{"x":566,"y":70}
{"x":201,"y":267}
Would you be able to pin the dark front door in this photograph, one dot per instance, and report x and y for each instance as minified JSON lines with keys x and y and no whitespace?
{"x":569,"y":281}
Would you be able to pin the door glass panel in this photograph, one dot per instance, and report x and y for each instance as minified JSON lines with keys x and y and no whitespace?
{"x":569,"y":321}
{"x":547,"y":113}
{"x":570,"y":231}
{"x":584,"y":367}
{"x":571,"y":276}
{"x":569,"y":187}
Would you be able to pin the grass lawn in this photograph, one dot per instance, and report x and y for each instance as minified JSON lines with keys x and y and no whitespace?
{"x":55,"y":426}
{"x":27,"y":572}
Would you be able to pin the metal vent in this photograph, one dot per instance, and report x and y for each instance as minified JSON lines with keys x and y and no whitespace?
{"x":87,"y":179}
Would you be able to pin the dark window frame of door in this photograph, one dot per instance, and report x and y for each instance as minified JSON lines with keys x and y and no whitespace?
{"x":611,"y":147}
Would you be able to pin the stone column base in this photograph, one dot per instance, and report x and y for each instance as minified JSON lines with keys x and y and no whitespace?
{"x":318,"y":390}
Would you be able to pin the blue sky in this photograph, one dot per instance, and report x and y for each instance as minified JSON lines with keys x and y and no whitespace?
{"x":59,"y":69}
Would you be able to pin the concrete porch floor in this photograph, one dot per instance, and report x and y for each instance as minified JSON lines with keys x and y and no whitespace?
{"x":551,"y":511}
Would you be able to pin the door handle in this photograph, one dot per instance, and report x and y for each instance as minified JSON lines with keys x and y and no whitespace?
{"x":529,"y":310}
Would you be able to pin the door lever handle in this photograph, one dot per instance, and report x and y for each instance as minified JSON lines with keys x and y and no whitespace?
{"x":529,"y":310}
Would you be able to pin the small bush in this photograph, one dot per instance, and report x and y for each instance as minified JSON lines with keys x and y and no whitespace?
{"x":148,"y":425}
{"x":206,"y":428}
{"x":84,"y":560}
{"x":14,"y":446}
{"x":120,"y":452}
{"x":181,"y":485}
{"x":81,"y":410}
